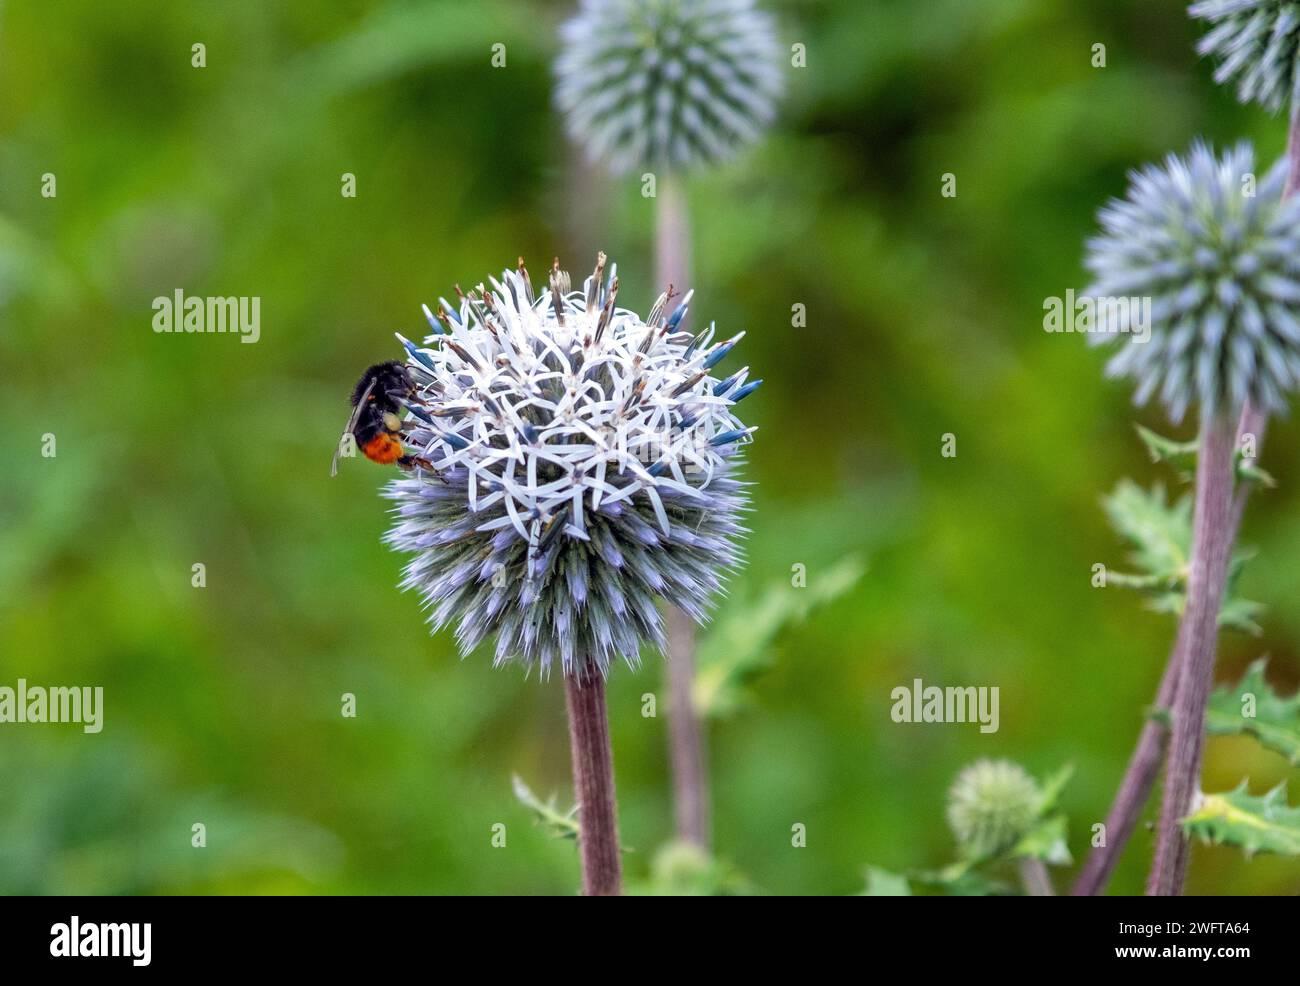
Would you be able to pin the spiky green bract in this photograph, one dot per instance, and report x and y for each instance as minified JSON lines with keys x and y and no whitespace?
{"x":1216,"y":251}
{"x":1256,"y":44}
{"x":667,"y":83}
{"x":992,"y":805}
{"x":579,"y":467}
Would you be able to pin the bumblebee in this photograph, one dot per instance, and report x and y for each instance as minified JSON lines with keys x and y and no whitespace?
{"x":376,"y":422}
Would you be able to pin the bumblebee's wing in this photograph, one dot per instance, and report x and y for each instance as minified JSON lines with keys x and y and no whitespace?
{"x":352,"y":423}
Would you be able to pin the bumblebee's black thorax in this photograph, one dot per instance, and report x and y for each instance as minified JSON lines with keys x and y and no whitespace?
{"x":391,"y":379}
{"x":392,"y":383}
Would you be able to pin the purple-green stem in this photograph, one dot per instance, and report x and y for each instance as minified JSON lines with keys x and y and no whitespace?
{"x":1293,"y":157}
{"x":1035,"y":878}
{"x":686,"y":734}
{"x":1144,"y":765}
{"x":1211,"y":551}
{"x":685,"y":730}
{"x":1192,"y":663}
{"x":593,"y":785}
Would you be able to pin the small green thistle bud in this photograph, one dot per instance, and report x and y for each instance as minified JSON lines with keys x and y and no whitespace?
{"x":991,"y":806}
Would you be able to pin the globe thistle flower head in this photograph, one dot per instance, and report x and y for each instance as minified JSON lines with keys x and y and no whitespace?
{"x":667,"y":83}
{"x":1215,"y":254}
{"x":992,"y":805}
{"x":577,"y":466}
{"x":1256,"y":44}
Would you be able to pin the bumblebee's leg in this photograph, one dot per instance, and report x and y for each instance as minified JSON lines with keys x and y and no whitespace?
{"x":415,"y":461}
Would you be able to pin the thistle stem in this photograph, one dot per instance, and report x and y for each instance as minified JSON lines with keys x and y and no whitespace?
{"x":1170,"y":866}
{"x":1035,"y":878}
{"x":1144,"y":764}
{"x":686,"y":734}
{"x":1293,"y":156}
{"x":1253,"y":422}
{"x":685,"y":730}
{"x":672,"y":234}
{"x":1211,"y":549}
{"x":593,"y":785}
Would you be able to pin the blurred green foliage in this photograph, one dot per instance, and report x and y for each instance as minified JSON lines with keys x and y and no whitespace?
{"x":923,"y":318}
{"x":738,"y":646}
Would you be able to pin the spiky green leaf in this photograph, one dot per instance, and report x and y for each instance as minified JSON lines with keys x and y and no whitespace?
{"x":1046,"y":841}
{"x":1051,"y":788}
{"x":1182,"y":457}
{"x":1160,"y":533}
{"x":1253,"y":708}
{"x":1253,"y":824}
{"x":562,"y":825}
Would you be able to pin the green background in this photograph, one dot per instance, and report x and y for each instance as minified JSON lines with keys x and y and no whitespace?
{"x":923,"y":317}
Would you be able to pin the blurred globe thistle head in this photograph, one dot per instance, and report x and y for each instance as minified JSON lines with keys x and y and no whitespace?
{"x":1218,"y":254}
{"x":581,"y":467}
{"x":667,"y":83}
{"x":1257,"y":44}
{"x":992,"y":805}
